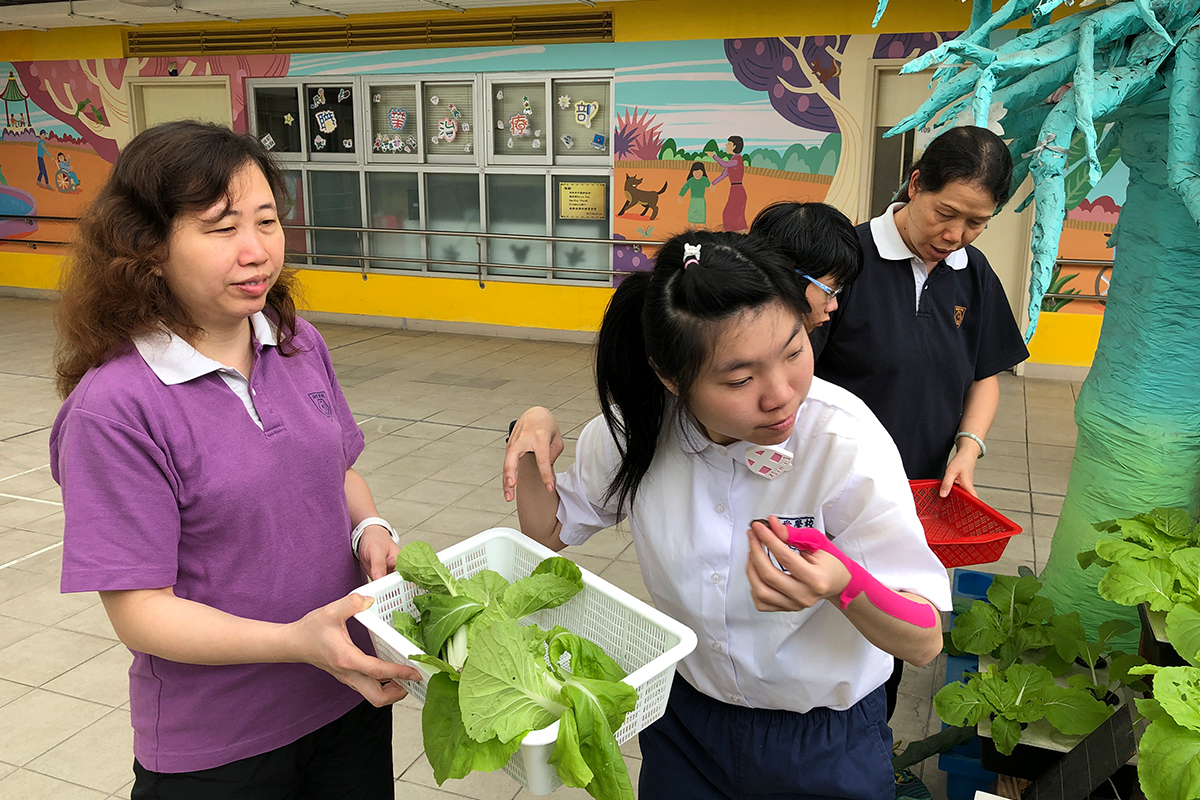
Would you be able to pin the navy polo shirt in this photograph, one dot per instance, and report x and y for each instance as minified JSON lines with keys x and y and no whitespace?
{"x":913,"y":363}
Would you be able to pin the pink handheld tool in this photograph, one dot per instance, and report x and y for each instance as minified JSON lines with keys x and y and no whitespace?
{"x":861,"y":581}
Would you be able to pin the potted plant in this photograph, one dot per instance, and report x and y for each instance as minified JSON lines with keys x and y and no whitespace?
{"x":1155,"y":565}
{"x":1169,"y":751}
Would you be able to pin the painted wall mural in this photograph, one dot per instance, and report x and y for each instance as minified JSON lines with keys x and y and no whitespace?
{"x":705,"y":132}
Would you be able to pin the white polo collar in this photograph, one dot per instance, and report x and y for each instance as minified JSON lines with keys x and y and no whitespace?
{"x":175,"y":361}
{"x":892,"y":248}
{"x":692,"y":440}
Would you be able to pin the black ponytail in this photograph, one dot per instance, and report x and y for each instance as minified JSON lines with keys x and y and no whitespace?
{"x":662,"y":326}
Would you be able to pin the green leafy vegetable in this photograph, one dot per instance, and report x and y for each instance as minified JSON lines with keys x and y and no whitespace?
{"x":451,"y":752}
{"x":1018,"y":695}
{"x":495,"y":681}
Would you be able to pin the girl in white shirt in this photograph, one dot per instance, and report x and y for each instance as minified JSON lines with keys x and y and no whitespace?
{"x":703,"y":369}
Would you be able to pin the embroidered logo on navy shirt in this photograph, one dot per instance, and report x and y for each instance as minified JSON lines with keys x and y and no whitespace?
{"x":959,"y":313}
{"x":321,"y":401}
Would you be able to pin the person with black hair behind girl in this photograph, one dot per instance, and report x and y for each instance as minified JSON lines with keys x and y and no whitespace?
{"x":923,"y":333}
{"x":704,"y":373}
{"x":822,"y":246}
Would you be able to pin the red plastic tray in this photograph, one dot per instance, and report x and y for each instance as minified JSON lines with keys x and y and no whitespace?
{"x":961,"y":529}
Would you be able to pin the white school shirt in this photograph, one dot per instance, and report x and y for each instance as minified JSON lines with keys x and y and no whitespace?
{"x":892,"y":247}
{"x":689,"y":525}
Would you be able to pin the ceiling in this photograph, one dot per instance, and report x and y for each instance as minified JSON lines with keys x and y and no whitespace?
{"x":47,"y":14}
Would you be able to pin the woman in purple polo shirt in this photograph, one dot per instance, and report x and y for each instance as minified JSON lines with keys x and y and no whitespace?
{"x":205,"y":456}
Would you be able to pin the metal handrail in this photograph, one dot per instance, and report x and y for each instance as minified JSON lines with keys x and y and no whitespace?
{"x":410,"y":231}
{"x":478,"y":265}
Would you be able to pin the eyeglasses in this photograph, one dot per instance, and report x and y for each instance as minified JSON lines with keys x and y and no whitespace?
{"x":830,"y":294}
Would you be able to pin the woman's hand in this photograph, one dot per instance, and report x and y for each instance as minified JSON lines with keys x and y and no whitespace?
{"x":535,"y":432}
{"x":814,"y":576}
{"x":961,"y":469}
{"x":377,"y":552}
{"x":323,"y":641}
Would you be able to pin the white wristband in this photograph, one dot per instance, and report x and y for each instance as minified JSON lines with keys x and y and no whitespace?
{"x":973,"y":437}
{"x":357,"y":533}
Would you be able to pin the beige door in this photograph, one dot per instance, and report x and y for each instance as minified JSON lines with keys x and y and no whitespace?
{"x":158,"y":100}
{"x":1006,"y":239}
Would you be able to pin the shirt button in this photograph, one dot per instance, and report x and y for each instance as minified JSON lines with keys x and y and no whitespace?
{"x":720,"y":509}
{"x":716,"y":577}
{"x":735,"y":698}
{"x":717,"y":646}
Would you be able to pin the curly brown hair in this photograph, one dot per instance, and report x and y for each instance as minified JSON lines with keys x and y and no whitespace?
{"x":111,"y":288}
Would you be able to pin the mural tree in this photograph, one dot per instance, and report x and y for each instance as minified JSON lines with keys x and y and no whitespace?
{"x":1121,"y":74}
{"x":805,"y":78}
{"x":90,"y":95}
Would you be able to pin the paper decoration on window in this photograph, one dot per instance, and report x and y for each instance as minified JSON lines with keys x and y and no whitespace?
{"x":454,"y":111}
{"x":391,"y":144}
{"x":326,"y":121}
{"x":447,"y":129}
{"x":377,"y":98}
{"x":537,"y":144}
{"x":319,"y":142}
{"x":288,"y":119}
{"x":567,"y":141}
{"x":584,"y":111}
{"x":564,"y":101}
{"x":537,"y":133}
{"x":343,"y":94}
{"x":467,"y":147}
{"x":499,"y":124}
{"x":526,"y":109}
{"x":598,"y":141}
{"x":433,"y":99}
{"x":434,"y":139}
{"x":411,"y":141}
{"x":318,"y":99}
{"x":499,"y":94}
{"x":518,"y":125}
{"x":268,"y":141}
{"x":348,"y":144}
{"x":466,"y":126}
{"x":396,"y":118}
{"x":510,"y":141}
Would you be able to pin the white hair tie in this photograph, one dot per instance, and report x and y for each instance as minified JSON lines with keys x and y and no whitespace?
{"x":691,"y":255}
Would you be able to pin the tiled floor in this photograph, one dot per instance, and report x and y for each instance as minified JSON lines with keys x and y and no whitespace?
{"x":435,"y":408}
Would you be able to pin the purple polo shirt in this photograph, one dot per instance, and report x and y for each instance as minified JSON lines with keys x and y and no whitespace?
{"x":168,"y":481}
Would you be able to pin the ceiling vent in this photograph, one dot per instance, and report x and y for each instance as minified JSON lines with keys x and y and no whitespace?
{"x":592,"y":26}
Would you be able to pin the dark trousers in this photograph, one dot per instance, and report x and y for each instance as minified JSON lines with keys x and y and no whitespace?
{"x":703,"y":749}
{"x":349,"y":758}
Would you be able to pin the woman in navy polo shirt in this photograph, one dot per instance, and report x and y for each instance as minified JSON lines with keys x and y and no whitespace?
{"x":923,"y":333}
{"x":205,"y":455}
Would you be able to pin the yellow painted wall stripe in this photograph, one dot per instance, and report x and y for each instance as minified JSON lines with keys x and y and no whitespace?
{"x":1065,"y":339}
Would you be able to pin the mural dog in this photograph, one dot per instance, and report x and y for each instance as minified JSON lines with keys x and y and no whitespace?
{"x":635,"y":195}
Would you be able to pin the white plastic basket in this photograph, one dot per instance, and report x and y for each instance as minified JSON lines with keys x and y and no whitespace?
{"x":645,"y":642}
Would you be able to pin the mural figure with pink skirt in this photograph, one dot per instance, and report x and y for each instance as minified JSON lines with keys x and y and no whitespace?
{"x":733,"y":218}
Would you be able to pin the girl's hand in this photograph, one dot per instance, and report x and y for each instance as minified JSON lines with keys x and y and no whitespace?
{"x":535,"y":432}
{"x":323,"y":641}
{"x":814,"y":576}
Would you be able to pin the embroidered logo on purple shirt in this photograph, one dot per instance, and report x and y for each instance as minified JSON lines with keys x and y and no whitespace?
{"x":322,"y":403}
